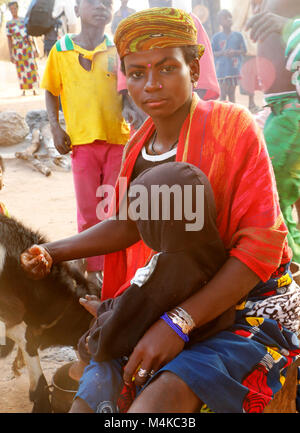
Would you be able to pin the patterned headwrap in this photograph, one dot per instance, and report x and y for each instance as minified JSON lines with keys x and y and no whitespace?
{"x":156,"y":28}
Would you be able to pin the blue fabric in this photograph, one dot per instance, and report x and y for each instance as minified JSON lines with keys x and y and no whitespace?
{"x":228,"y":67}
{"x":100,"y":385}
{"x":236,"y":373}
{"x":238,"y":370}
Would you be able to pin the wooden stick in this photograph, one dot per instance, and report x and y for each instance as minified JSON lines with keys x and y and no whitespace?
{"x":34,"y":161}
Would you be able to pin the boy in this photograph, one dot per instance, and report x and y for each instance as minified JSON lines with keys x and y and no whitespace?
{"x":228,"y":48}
{"x":81,"y":70}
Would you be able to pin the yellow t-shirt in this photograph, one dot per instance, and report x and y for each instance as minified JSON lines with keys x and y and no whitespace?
{"x":91,"y":104}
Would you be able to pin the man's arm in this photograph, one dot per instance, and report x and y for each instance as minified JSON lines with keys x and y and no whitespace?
{"x":265,"y":23}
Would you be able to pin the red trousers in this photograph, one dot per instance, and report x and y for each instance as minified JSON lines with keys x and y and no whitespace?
{"x":93,"y":165}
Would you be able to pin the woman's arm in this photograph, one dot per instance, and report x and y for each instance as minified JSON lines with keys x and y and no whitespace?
{"x":103,"y":238}
{"x":10,"y":48}
{"x":227,"y":288}
{"x":160,"y":344}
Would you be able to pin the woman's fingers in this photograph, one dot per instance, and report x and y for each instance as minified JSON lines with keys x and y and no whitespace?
{"x":36,"y":261}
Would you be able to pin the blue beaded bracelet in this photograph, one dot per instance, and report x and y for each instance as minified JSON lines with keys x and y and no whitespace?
{"x":175,"y":328}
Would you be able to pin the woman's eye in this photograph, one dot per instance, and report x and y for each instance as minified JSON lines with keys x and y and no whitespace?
{"x":136,"y":74}
{"x":167,"y":68}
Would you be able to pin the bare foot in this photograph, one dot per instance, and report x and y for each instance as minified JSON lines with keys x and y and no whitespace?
{"x":91,"y":304}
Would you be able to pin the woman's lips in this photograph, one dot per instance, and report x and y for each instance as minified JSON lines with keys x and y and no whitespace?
{"x":155,"y":103}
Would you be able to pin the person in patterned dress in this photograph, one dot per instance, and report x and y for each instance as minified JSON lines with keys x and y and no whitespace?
{"x":22,"y":51}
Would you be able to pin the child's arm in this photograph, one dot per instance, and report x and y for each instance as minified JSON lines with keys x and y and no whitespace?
{"x":62,"y":141}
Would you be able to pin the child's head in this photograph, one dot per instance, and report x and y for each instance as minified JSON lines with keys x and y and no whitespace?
{"x":13,"y":7}
{"x":1,"y":172}
{"x":94,"y":12}
{"x":225,"y":19}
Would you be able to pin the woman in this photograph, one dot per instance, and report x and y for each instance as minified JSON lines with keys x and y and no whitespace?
{"x":237,"y":370}
{"x":22,"y":51}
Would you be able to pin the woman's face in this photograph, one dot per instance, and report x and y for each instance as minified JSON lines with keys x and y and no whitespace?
{"x":160,"y":80}
{"x":14,"y":10}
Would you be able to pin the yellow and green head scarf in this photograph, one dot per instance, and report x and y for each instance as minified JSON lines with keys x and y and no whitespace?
{"x":156,"y":28}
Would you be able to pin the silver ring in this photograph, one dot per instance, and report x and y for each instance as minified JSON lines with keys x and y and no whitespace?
{"x":143,"y":373}
{"x":152,"y":373}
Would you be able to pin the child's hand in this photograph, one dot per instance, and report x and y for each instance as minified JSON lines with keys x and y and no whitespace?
{"x":91,"y":303}
{"x":36,"y":262}
{"x":61,"y":140}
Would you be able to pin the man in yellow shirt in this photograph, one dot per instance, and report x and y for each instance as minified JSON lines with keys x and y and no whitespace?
{"x":82,"y":70}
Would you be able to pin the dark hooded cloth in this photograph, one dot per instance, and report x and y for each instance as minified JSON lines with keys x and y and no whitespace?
{"x":185,"y":260}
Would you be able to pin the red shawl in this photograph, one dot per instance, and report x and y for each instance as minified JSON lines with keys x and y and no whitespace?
{"x":223,"y":140}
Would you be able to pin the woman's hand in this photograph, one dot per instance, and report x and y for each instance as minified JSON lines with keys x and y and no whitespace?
{"x":159,"y":345}
{"x":36,"y":262}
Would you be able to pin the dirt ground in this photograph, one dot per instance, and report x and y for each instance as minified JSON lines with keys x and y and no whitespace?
{"x":46,"y":204}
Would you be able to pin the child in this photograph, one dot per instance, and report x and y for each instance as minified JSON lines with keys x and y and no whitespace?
{"x":155,"y":288}
{"x":81,"y":70}
{"x":228,"y":48}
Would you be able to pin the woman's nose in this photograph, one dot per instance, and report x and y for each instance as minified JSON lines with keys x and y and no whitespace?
{"x":152,"y":82}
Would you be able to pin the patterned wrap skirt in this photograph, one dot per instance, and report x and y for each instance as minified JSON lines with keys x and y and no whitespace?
{"x":239,"y":370}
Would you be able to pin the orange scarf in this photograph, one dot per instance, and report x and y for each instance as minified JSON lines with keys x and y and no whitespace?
{"x":224,"y":142}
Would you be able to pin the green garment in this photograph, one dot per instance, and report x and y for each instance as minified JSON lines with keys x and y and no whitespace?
{"x":282,"y":135}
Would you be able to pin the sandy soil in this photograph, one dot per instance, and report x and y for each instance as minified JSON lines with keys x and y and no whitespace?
{"x":44,"y":203}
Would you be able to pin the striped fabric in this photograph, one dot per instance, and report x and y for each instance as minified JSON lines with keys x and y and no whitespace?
{"x":292,"y":53}
{"x":156,"y":28}
{"x":66,"y":43}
